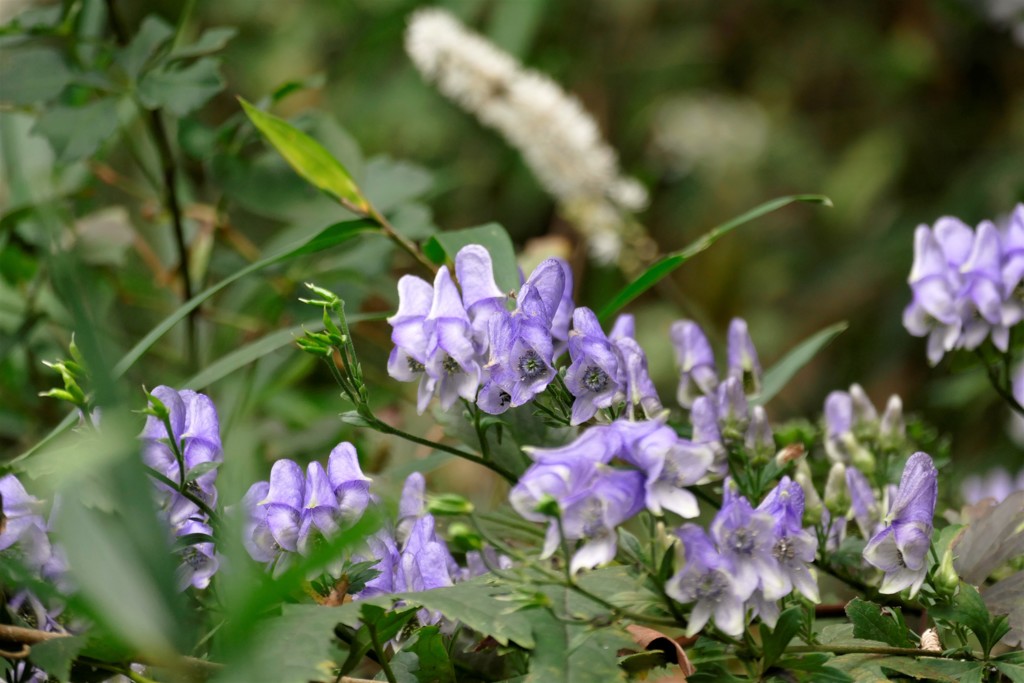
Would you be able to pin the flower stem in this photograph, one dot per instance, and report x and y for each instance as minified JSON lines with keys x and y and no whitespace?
{"x":381,"y":659}
{"x":872,"y":650}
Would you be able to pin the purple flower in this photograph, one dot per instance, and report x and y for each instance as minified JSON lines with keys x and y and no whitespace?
{"x":350,"y":486}
{"x":794,"y":547}
{"x":747,"y":538}
{"x":480,"y":294}
{"x":195,"y":429}
{"x":640,"y":392}
{"x":863,"y":502}
{"x":199,"y":562}
{"x":564,"y":314}
{"x":760,"y":441}
{"x":900,"y":549}
{"x":521,"y":346}
{"x":707,"y":580}
{"x":743,"y":362}
{"x":596,"y":376}
{"x":696,"y":362}
{"x":592,"y":500}
{"x":668,"y":462}
{"x":256,"y":534}
{"x":407,"y":362}
{"x":451,"y":357}
{"x":704,"y":418}
{"x":22,"y":524}
{"x":384,"y":549}
{"x":997,"y":484}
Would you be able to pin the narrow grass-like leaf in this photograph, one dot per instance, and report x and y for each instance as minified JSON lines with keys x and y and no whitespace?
{"x":307,"y":156}
{"x":669,"y":263}
{"x":777,"y":376}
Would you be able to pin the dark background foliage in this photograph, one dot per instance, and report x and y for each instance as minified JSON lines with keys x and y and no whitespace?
{"x":900,"y":112}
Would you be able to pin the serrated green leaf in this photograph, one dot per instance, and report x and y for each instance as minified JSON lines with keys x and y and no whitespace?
{"x":32,"y":74}
{"x":77,"y":132}
{"x":777,"y":376}
{"x":307,"y":156}
{"x":55,"y":656}
{"x":152,"y":34}
{"x":443,"y":247}
{"x":669,"y":263}
{"x":434,"y":664}
{"x":870,"y":624}
{"x":181,"y":91}
{"x":211,"y":40}
{"x":776,"y":640}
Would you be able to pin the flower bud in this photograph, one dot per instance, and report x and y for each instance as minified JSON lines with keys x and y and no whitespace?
{"x":448,"y":504}
{"x":812,"y":502}
{"x":892,"y":427}
{"x":464,"y":538}
{"x":946,"y":579}
{"x":548,"y":507}
{"x":862,"y":458}
{"x":837,"y":496}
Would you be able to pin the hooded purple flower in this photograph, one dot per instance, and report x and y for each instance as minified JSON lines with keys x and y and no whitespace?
{"x":596,"y":376}
{"x":407,"y":362}
{"x":747,"y":538}
{"x":707,"y":580}
{"x":704,"y":418}
{"x":696,"y":362}
{"x":668,"y":462}
{"x":199,"y":561}
{"x":451,"y":357}
{"x":863,"y":503}
{"x":640,"y":391}
{"x":743,"y":362}
{"x":22,"y":524}
{"x":564,"y":313}
{"x":480,"y":294}
{"x":521,"y":347}
{"x":900,"y":549}
{"x":196,"y":429}
{"x":592,"y":499}
{"x":794,"y":547}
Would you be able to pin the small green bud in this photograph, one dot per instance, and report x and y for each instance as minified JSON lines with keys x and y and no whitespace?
{"x":329,"y":297}
{"x":549,"y":507}
{"x":837,"y":496}
{"x":862,"y":458}
{"x":76,"y":354}
{"x":156,"y":408}
{"x":448,"y":504}
{"x":946,"y":579}
{"x":464,"y":538}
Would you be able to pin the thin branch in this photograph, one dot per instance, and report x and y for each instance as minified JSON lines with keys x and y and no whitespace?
{"x":870,"y":650}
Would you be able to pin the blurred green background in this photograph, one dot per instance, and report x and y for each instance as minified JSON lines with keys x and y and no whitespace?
{"x":900,"y":112}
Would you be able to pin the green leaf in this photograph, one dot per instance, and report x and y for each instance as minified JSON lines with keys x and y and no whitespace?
{"x":55,"y":656}
{"x":869,"y":623}
{"x":934,"y":669}
{"x":969,"y":609}
{"x":32,"y":74}
{"x":435,"y":666}
{"x":567,"y":653}
{"x":1013,"y":671}
{"x":77,"y":132}
{"x":442,"y":248}
{"x":307,"y":156}
{"x":152,"y":34}
{"x":212,"y":40}
{"x":776,"y":640}
{"x":777,"y":376}
{"x":669,"y":263}
{"x":201,"y":469}
{"x":181,"y":91}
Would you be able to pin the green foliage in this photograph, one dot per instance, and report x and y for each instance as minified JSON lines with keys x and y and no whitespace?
{"x":884,"y":625}
{"x":443,"y":247}
{"x":969,"y":609}
{"x":777,"y":376}
{"x":774,"y":641}
{"x":56,"y":656}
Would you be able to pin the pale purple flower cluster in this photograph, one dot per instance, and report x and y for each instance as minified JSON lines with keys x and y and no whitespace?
{"x":968,"y":285}
{"x":719,"y":408}
{"x":852,"y":424}
{"x":194,"y":433}
{"x":900,"y":548}
{"x":292,"y":511}
{"x":592,"y":497}
{"x":751,"y":559}
{"x":455,"y":344}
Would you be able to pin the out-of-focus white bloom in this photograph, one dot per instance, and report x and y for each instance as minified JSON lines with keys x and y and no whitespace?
{"x":558,"y":139}
{"x":1008,"y":13}
{"x":708,"y":131}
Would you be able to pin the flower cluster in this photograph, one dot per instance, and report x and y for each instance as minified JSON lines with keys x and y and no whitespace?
{"x":292,"y":511}
{"x":181,"y":441}
{"x":968,"y":285}
{"x":558,"y":139}
{"x":751,"y":559}
{"x":853,"y":426}
{"x":455,"y":344}
{"x":582,"y":496}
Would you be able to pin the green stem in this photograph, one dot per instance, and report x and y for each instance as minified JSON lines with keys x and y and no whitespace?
{"x":385,"y":428}
{"x":398,"y":238}
{"x":207,"y":510}
{"x":382,"y":660}
{"x":870,"y":650}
